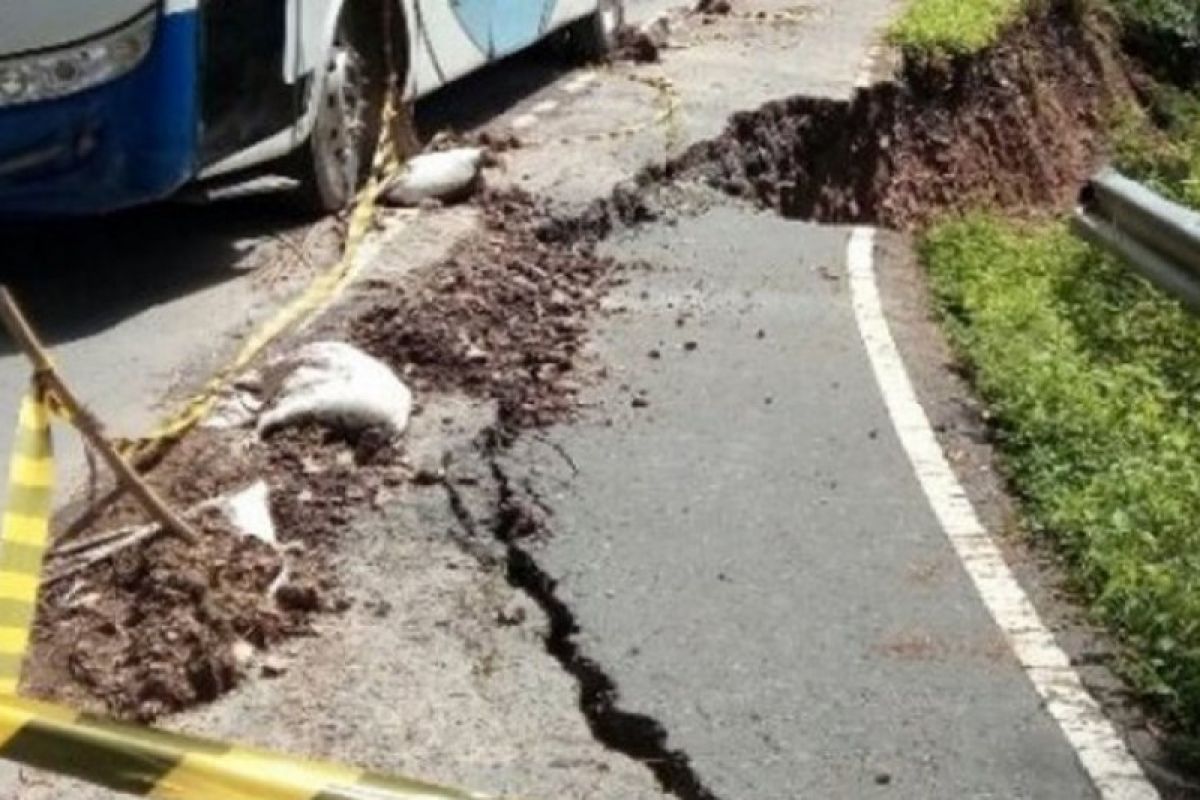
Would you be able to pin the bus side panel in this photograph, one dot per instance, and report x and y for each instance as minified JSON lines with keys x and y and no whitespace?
{"x":444,"y":48}
{"x":519,"y":23}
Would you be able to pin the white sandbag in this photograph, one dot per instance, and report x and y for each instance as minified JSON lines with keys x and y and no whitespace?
{"x":447,"y":175}
{"x":335,"y":384}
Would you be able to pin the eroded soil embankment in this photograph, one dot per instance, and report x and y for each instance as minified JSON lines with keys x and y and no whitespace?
{"x":1018,"y":127}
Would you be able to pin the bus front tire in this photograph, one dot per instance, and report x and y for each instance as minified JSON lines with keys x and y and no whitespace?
{"x":336,"y":159}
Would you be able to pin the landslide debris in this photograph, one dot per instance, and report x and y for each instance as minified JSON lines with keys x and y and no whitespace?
{"x":1018,"y":127}
{"x":504,"y":317}
{"x":166,"y":625}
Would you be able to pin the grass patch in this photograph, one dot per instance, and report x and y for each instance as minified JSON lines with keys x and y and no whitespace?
{"x":1092,"y":375}
{"x":1162,"y":146}
{"x":1094,"y":380}
{"x":941,"y":28}
{"x":1166,"y":33}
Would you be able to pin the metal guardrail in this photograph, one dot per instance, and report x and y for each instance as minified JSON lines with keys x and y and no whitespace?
{"x":1159,"y":238}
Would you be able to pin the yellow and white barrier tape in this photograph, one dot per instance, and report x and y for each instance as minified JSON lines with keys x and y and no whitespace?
{"x":322,"y":290}
{"x":135,"y":760}
{"x":667,"y":98}
{"x":146,"y":762}
{"x":25,"y":535}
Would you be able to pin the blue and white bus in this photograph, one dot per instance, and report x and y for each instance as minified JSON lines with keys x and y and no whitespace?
{"x":106,"y":104}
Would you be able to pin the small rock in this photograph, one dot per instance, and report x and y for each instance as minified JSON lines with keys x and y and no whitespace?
{"x":511,"y":616}
{"x":274,"y":665}
{"x":242,"y":652}
{"x":298,"y":597}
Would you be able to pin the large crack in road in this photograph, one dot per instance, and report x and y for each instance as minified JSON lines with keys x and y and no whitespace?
{"x":640,"y":737}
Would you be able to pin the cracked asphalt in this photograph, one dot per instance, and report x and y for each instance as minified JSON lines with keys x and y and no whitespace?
{"x":748,"y":553}
{"x":743,"y":552}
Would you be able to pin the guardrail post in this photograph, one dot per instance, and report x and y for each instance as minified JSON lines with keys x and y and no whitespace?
{"x":1159,"y":238}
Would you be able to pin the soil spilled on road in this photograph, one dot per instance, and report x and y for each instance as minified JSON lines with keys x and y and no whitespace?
{"x":165,"y":625}
{"x":504,"y":318}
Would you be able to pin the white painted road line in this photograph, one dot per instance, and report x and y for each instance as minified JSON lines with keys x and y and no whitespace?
{"x":1103,"y":754}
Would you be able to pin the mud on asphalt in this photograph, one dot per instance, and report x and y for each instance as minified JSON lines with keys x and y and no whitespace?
{"x":505,"y":319}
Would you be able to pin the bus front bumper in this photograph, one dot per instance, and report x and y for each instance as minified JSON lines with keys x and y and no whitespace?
{"x":127,"y":142}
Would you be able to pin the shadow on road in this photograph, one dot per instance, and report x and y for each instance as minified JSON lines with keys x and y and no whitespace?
{"x":80,"y":276}
{"x":485,"y":95}
{"x":77,"y":278}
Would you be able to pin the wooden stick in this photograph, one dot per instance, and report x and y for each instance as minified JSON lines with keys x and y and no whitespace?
{"x":85,"y":422}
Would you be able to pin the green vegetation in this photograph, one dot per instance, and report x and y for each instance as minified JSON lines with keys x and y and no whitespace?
{"x":1166,"y":156}
{"x":1093,"y":376}
{"x":1094,"y":380}
{"x":1166,"y":33}
{"x":953,"y":27}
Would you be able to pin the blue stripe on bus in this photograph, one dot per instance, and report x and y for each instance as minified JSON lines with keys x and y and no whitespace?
{"x":517,"y":23}
{"x":475,"y":16}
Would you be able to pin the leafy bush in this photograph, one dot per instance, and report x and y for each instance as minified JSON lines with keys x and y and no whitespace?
{"x":1163,"y":151}
{"x":1165,"y":33}
{"x":1094,"y":380}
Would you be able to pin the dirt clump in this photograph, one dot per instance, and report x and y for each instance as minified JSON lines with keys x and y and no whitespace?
{"x":504,"y":317}
{"x":1018,"y":127}
{"x":637,"y":45}
{"x":713,"y":7}
{"x":165,"y":625}
{"x":153,"y":630}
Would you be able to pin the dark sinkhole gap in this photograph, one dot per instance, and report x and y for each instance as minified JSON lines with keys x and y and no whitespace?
{"x":640,"y":737}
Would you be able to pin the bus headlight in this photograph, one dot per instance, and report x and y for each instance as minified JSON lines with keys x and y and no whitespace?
{"x":71,"y":69}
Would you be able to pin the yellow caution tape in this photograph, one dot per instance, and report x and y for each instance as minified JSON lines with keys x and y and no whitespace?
{"x":151,"y":763}
{"x":323,"y":289}
{"x":25,"y":535}
{"x":136,"y":760}
{"x":667,"y":98}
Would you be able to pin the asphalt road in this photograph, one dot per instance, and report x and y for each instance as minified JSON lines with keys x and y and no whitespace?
{"x":749,"y":555}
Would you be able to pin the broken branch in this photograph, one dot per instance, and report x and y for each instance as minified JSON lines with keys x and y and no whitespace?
{"x":85,"y":422}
